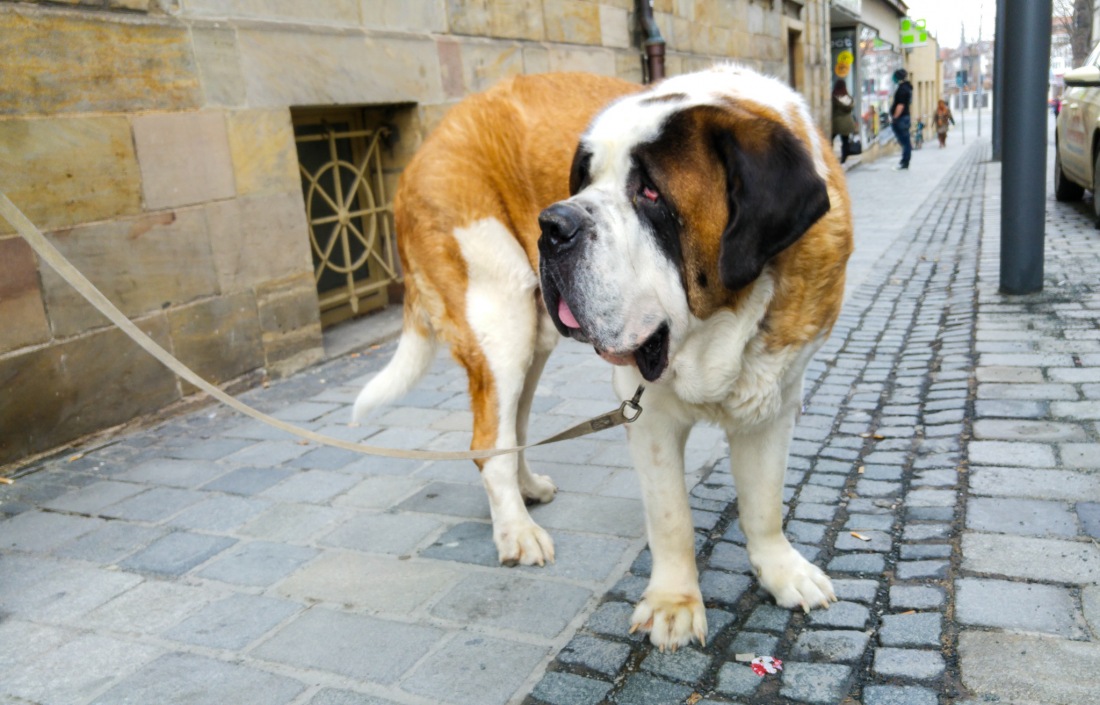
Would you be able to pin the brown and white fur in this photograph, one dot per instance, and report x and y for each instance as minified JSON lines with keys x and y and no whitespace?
{"x":698,"y":242}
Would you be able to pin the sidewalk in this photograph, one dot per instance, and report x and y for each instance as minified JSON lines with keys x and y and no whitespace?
{"x":210,"y":560}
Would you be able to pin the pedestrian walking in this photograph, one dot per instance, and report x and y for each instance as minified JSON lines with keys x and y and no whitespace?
{"x":844,"y":123}
{"x":943,"y":119}
{"x":899,"y":114}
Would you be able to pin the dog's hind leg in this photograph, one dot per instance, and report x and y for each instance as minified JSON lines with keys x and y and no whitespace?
{"x":518,"y":538}
{"x":499,"y":353}
{"x":535,"y":488}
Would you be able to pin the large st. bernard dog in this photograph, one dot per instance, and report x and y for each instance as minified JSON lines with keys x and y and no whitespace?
{"x":695,"y":235}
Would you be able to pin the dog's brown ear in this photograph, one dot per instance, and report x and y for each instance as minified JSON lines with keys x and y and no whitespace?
{"x":774,"y":196}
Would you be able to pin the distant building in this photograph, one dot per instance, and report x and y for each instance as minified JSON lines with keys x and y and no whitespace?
{"x":976,"y":59}
{"x":925,"y":71}
{"x":1061,"y":54}
{"x":1061,"y":46}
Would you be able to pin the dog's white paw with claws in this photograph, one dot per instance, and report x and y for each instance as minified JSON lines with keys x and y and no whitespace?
{"x":537,"y":489}
{"x":672,"y":618}
{"x":523,"y":543}
{"x":791,"y":579}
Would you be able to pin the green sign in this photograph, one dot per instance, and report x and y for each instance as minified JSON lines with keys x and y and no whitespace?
{"x":913,"y":33}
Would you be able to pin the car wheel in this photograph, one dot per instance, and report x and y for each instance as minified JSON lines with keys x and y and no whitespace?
{"x":1064,"y":189}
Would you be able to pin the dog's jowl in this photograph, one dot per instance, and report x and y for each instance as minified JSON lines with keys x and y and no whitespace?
{"x":695,"y":234}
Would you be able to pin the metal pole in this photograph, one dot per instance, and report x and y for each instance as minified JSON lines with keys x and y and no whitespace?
{"x":1024,"y":168}
{"x":962,"y":112}
{"x":998,"y":80}
{"x":964,"y":53}
{"x":981,"y":11}
{"x":978,"y":98}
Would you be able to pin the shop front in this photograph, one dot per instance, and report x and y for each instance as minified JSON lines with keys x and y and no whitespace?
{"x":865,"y":52}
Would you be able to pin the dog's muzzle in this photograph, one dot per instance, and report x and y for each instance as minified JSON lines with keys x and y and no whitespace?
{"x":566,"y":228}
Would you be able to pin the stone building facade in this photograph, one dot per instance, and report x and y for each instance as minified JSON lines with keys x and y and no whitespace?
{"x":162,"y":145}
{"x":926,"y":74}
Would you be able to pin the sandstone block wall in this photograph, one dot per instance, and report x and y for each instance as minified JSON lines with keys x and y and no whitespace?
{"x":152,"y":140}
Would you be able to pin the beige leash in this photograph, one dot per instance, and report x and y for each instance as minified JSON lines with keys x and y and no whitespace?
{"x":628,"y":411}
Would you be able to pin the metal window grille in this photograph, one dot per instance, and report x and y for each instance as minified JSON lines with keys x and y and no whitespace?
{"x":348,"y":210}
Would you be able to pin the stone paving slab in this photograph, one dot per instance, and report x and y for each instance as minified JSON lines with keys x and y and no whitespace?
{"x":472,"y":669}
{"x":148,"y":608}
{"x":350,"y":645}
{"x":187,"y":678}
{"x":232,"y":623}
{"x":76,"y":670}
{"x":1023,"y":668}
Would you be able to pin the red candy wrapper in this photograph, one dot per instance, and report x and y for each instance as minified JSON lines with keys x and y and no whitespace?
{"x":763,"y":665}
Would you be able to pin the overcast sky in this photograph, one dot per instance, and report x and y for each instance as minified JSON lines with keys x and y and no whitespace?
{"x":945,"y":17}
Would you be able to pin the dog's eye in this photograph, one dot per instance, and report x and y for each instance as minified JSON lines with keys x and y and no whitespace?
{"x":650,"y":194}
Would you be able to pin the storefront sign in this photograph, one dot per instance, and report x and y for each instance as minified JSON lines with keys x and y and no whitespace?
{"x":844,"y":56}
{"x":913,"y":33}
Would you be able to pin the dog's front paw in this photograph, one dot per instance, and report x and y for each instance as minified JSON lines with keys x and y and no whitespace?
{"x":537,"y":489}
{"x":791,"y":579}
{"x":672,"y":618}
{"x":523,"y":543}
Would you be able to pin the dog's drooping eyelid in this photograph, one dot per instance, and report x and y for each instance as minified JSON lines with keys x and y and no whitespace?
{"x":655,"y":210}
{"x":646,"y":187}
{"x":580,"y":174}
{"x":642,"y":184}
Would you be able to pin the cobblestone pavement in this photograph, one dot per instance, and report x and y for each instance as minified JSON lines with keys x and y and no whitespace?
{"x":945,"y":473}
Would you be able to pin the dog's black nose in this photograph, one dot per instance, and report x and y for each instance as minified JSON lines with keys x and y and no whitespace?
{"x":561,"y":223}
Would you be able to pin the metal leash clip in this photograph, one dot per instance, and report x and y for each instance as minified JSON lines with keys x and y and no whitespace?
{"x":633,"y":405}
{"x":604,"y":421}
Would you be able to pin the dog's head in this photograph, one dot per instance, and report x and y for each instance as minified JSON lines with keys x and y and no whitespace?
{"x":680,"y":197}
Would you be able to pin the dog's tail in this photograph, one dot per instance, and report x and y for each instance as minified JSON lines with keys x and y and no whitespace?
{"x":415,"y":352}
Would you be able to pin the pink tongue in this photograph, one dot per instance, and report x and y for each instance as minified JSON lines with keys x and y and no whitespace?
{"x":567,"y":318}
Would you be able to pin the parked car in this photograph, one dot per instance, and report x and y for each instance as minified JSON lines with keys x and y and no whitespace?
{"x":1077,"y":137}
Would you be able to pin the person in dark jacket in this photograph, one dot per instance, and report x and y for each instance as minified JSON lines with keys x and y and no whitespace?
{"x":843,"y":122}
{"x":899,"y":116}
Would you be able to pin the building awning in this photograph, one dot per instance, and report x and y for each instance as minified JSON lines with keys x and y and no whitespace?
{"x":882,"y":16}
{"x":844,"y":13}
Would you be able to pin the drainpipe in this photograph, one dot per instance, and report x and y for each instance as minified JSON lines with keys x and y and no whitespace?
{"x":652,"y":40}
